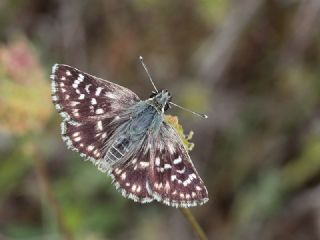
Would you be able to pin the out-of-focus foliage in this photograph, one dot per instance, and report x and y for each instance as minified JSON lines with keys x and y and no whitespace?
{"x":25,"y":103}
{"x":251,"y":65}
{"x":173,"y":121}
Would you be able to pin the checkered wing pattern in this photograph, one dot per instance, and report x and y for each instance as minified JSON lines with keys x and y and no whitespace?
{"x":132,"y":177}
{"x":91,"y":108}
{"x":161,"y":170}
{"x":173,"y":178}
{"x":80,"y":97}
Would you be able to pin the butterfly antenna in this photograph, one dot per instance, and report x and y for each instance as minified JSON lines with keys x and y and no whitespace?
{"x":188,"y":110}
{"x":146,"y":69}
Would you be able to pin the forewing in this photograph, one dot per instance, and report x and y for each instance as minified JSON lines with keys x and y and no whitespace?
{"x":173,"y":178}
{"x":92,"y":109}
{"x":131,"y":177}
{"x":80,"y":97}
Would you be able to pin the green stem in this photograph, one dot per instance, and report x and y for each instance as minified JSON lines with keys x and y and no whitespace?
{"x":46,"y":188}
{"x":194,"y":223}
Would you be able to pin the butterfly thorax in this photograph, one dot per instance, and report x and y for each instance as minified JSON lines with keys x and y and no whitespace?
{"x":141,"y":118}
{"x":159,"y":100}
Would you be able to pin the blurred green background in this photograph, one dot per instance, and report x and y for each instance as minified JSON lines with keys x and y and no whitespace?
{"x":252,"y":65}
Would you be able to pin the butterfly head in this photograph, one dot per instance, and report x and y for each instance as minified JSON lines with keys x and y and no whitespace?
{"x":161,"y":99}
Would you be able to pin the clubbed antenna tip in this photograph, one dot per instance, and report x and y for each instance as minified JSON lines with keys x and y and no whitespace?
{"x":188,"y":110}
{"x":147,"y":71}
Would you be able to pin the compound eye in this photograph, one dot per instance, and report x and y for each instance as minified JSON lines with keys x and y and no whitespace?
{"x":166,"y":107}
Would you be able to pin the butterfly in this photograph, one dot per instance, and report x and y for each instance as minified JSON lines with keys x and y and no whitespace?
{"x":126,"y":137}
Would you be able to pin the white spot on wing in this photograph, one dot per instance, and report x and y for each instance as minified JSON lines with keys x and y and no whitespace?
{"x":104,"y":135}
{"x":87,"y":88}
{"x":76,"y":134}
{"x":177,"y":160}
{"x":99,"y":126}
{"x":167,"y":166}
{"x":80,"y":77}
{"x":74,"y":103}
{"x":93,"y":101}
{"x":123,"y":176}
{"x":77,"y":139}
{"x":187,"y":182}
{"x":68,"y":73}
{"x":144,"y":164}
{"x":167,"y":186}
{"x":157,"y":161}
{"x":98,"y":91}
{"x":181,"y":171}
{"x":173,"y":177}
{"x":99,"y":111}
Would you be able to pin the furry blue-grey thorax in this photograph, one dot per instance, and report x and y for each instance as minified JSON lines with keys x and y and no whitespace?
{"x":160,"y":100}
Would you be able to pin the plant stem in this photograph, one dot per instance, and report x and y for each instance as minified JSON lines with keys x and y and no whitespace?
{"x":194,"y":223}
{"x":46,"y":189}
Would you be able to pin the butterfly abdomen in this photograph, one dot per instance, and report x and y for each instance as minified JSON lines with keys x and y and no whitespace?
{"x":117,"y":150}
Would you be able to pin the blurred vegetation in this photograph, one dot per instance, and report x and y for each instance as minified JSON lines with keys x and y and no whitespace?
{"x":252,"y":65}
